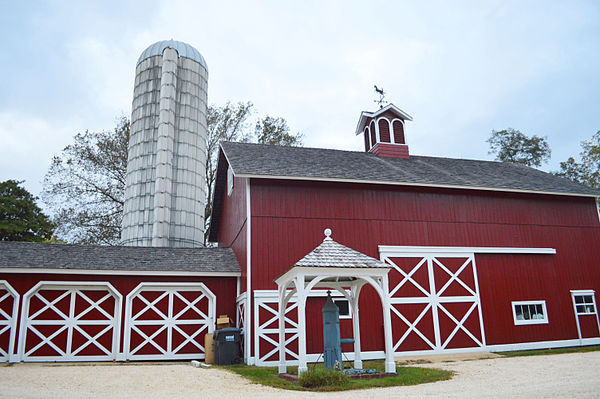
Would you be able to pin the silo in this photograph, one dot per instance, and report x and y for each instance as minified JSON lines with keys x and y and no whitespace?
{"x":165,"y":185}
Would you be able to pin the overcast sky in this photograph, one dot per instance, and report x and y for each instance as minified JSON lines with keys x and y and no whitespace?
{"x":461,"y":69}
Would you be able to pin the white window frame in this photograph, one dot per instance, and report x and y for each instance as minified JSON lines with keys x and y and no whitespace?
{"x":531,"y":321}
{"x":584,"y":293}
{"x":349,"y":315}
{"x":229,"y":181}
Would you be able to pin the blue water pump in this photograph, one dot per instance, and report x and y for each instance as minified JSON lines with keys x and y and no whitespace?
{"x":332,"y":351}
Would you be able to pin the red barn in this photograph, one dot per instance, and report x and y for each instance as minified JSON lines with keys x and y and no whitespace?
{"x":482,"y":256}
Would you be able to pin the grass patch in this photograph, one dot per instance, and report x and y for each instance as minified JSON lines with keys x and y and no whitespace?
{"x":406,"y":376}
{"x":555,"y":351}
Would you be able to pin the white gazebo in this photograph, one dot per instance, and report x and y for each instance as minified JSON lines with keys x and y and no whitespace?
{"x":335,"y":266}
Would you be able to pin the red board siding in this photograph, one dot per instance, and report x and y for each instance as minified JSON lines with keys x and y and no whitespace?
{"x":223,"y":287}
{"x":288,"y":219}
{"x":232,"y":227}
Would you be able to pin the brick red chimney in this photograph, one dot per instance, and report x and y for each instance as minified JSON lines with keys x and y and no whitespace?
{"x":383,"y":131}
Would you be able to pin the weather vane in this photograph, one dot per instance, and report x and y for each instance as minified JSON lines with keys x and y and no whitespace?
{"x":381,"y":100}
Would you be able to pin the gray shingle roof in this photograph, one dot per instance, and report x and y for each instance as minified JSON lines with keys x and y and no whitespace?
{"x":332,"y":254}
{"x":317,"y":163}
{"x":118,"y":258}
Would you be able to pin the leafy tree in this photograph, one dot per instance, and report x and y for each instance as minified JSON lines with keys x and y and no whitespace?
{"x":85,"y":184}
{"x":588,"y":170}
{"x":511,"y":145}
{"x":226,"y":123}
{"x":20,"y":218}
{"x":275,"y":131}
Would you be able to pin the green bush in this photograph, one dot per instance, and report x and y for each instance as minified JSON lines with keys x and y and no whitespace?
{"x":316,"y":378}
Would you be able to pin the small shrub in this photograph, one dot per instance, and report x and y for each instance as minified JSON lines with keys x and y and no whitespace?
{"x":317,"y":378}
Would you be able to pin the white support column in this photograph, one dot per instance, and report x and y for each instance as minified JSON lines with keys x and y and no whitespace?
{"x":390,"y":365}
{"x":301,"y":293}
{"x":282,"y":305}
{"x":356,"y":326}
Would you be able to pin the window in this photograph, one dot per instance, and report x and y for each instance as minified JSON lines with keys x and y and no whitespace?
{"x":530,"y":312}
{"x":229,"y":180}
{"x":344,"y":308}
{"x":584,"y":304}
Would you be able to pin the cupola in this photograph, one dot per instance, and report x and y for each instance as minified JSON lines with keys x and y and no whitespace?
{"x":384,"y":132}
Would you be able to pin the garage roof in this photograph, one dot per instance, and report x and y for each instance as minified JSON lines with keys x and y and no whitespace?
{"x":28,"y":255}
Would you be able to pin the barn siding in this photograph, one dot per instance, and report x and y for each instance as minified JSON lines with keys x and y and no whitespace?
{"x":232,"y":225}
{"x":288,"y":219}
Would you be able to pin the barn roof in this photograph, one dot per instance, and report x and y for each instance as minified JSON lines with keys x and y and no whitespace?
{"x":319,"y":164}
{"x":69,"y":257}
{"x":268,"y":161}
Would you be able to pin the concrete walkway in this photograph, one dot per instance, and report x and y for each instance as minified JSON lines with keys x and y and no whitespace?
{"x":570,"y":376}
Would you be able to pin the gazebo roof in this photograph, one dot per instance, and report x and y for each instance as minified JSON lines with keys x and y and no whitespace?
{"x":332,"y":254}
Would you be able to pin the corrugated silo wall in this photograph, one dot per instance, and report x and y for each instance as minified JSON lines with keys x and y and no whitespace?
{"x":165,"y":189}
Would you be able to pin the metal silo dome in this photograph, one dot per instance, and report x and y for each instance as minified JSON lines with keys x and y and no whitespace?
{"x":183,"y":50}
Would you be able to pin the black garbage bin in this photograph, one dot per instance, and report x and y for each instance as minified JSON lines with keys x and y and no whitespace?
{"x":227,"y":346}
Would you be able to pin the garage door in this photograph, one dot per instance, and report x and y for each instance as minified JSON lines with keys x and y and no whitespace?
{"x":168,"y":321}
{"x":9,"y":305}
{"x":70,"y":321}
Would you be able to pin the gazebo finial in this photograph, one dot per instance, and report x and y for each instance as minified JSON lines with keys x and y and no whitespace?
{"x":327,"y":233}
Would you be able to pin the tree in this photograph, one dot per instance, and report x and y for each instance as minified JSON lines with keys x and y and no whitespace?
{"x":20,"y":218}
{"x":511,"y":145}
{"x":588,"y":170}
{"x":226,"y":123}
{"x":85,"y":186}
{"x":275,"y":131}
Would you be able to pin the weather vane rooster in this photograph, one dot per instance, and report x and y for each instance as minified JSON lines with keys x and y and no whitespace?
{"x":381,"y":101}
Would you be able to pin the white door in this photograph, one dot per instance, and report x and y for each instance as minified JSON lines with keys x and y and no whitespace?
{"x":168,"y":321}
{"x":70,"y":321}
{"x":9,"y":307}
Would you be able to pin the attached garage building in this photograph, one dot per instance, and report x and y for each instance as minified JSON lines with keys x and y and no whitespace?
{"x":95,"y":303}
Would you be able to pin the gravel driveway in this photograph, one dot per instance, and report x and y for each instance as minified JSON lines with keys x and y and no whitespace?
{"x":575,"y":375}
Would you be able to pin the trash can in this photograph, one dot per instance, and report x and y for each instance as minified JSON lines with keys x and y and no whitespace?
{"x":227,"y":345}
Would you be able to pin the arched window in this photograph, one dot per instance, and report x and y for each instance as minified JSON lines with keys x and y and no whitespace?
{"x":398,"y":132}
{"x":373,"y":137}
{"x":384,"y":130}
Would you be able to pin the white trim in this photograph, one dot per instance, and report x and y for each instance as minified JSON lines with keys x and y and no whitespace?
{"x":249,"y":359}
{"x":411,"y":184}
{"x":72,"y":289}
{"x":29,"y":270}
{"x":10,"y":322}
{"x":230,"y":181}
{"x":522,"y":322}
{"x":391,"y":250}
{"x":542,"y":345}
{"x":403,"y":130}
{"x":366,"y":115}
{"x":169,"y":322}
{"x":598,"y":207}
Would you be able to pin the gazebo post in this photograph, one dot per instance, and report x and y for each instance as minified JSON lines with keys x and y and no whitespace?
{"x":282,"y":306}
{"x":390,"y":365}
{"x":356,"y":325}
{"x":301,"y":295}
